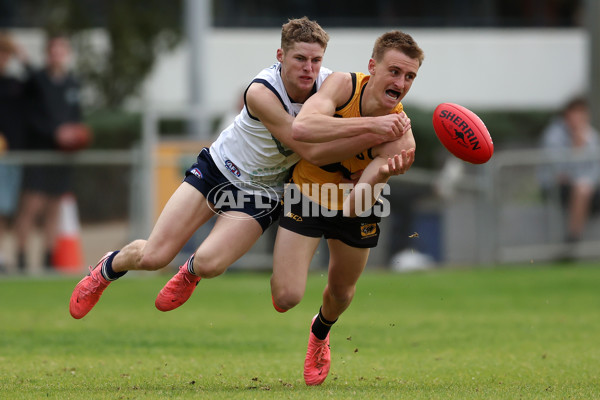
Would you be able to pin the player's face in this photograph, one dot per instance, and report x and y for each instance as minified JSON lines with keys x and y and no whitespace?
{"x":393,"y":77}
{"x":300,"y":66}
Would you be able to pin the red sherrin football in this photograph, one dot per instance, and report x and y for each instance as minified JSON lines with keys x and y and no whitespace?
{"x":463,"y":133}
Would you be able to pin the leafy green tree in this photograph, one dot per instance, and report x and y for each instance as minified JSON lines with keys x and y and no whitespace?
{"x":136,"y":33}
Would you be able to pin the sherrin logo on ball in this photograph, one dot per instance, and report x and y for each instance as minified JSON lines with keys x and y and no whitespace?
{"x":462,"y":133}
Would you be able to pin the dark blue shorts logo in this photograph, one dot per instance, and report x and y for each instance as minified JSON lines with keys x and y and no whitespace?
{"x":197,"y":172}
{"x":232,"y":168}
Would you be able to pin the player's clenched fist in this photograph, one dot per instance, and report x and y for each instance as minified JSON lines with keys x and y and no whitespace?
{"x":405,"y":121}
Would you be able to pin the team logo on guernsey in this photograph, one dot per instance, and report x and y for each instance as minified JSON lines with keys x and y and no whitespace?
{"x":251,"y":199}
{"x":368,"y":230}
{"x":232,"y":168}
{"x":197,"y":172}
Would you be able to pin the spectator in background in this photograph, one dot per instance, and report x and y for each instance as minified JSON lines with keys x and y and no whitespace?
{"x":12,"y":97}
{"x":53,"y":105}
{"x":571,"y":134}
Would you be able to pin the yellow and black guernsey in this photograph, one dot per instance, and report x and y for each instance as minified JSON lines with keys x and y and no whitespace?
{"x":322,"y":184}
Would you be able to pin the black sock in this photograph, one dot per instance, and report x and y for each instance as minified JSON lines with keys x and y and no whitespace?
{"x":107,"y":271}
{"x":321,"y":326}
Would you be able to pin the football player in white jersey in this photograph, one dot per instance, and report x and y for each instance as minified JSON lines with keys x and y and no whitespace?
{"x":237,"y":179}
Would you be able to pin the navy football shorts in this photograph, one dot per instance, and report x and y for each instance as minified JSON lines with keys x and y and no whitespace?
{"x":205,"y":176}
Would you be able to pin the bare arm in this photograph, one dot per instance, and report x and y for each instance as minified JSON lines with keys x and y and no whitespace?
{"x":264,"y":105}
{"x":393,"y":158}
{"x":315,"y":122}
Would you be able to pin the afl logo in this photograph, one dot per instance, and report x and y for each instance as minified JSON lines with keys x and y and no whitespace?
{"x":232,"y":168}
{"x":196,"y":172}
{"x":262,"y":199}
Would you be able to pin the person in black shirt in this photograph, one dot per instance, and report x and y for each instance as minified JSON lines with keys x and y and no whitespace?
{"x":53,"y":104}
{"x":12,"y":97}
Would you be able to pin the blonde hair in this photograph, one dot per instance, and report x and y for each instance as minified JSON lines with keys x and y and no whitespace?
{"x":302,"y":30}
{"x":400,"y":41}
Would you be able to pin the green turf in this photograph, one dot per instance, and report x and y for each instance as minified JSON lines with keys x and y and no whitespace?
{"x":490,"y":333}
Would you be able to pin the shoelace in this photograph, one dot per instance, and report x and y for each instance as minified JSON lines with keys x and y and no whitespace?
{"x":319,"y":354}
{"x":186,"y":276}
{"x":183,"y":275}
{"x":91,"y":289}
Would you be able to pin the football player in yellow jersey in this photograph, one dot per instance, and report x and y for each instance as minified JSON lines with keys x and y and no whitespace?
{"x":354,"y":103}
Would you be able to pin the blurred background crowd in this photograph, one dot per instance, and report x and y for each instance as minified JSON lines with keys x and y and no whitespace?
{"x":108,"y":101}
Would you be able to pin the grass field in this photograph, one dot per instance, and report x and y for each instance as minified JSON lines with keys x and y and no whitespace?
{"x":487,"y":333}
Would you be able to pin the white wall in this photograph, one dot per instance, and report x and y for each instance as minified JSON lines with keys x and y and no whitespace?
{"x":480,"y":68}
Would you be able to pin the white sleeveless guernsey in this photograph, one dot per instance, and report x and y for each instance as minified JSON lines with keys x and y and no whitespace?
{"x":247,"y":152}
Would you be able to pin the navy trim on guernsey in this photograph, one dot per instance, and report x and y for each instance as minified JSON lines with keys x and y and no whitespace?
{"x":353,"y":75}
{"x":272,"y":89}
{"x":337,"y":167}
{"x":362,"y":91}
{"x":246,"y":103}
{"x":204,"y":175}
{"x":370,"y":153}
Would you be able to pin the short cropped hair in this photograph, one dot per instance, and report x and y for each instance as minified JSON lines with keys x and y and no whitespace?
{"x":302,"y":30}
{"x":400,"y":41}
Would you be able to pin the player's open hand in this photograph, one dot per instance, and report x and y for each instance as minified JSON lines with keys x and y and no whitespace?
{"x":398,"y":164}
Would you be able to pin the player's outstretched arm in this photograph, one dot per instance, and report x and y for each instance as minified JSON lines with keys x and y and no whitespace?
{"x":264,"y":105}
{"x":315,"y":123}
{"x":393,"y":158}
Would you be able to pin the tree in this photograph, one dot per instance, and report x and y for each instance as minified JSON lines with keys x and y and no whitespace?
{"x":134,"y":34}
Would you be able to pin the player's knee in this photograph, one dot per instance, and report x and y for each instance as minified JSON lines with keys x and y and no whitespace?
{"x":282,"y":304}
{"x":284,"y":300}
{"x":342,"y":294}
{"x":276,"y":307}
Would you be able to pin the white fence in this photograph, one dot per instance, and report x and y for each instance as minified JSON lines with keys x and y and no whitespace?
{"x":496,"y":216}
{"x":523,"y":226}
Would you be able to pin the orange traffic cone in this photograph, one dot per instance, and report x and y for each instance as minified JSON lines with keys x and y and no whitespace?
{"x":67,"y":254}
